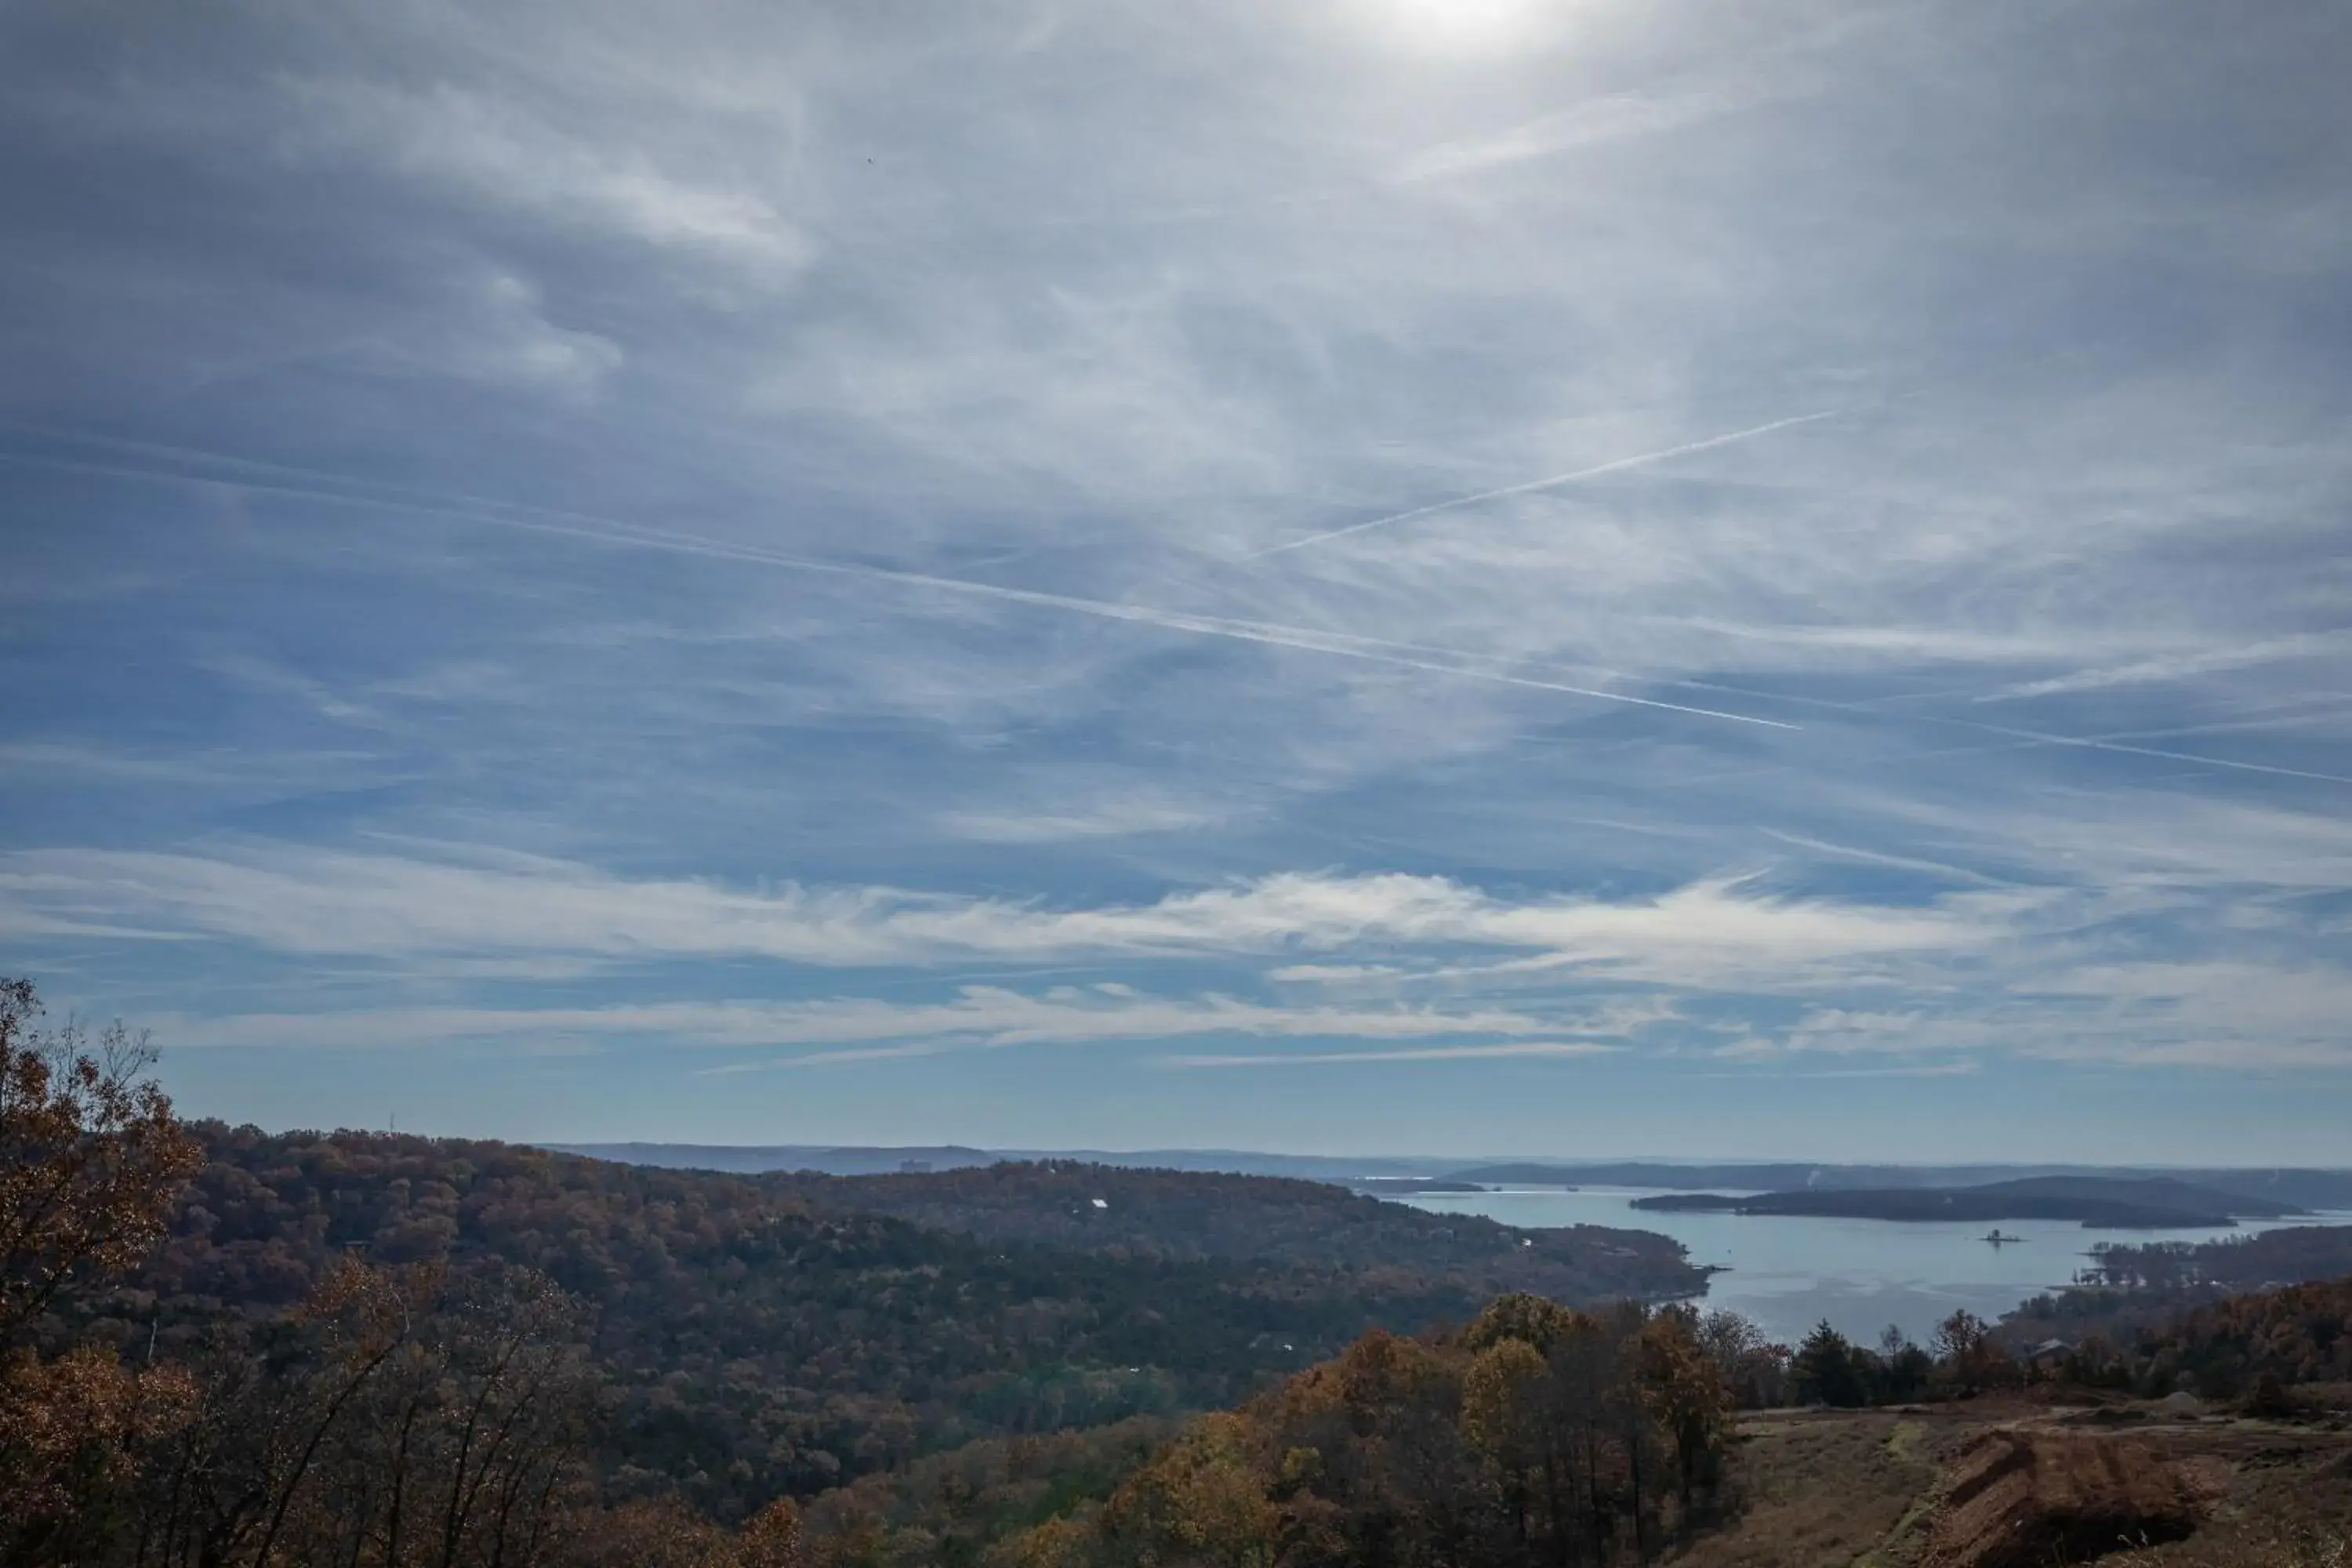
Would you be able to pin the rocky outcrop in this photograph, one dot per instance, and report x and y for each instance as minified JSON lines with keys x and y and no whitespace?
{"x":2028,"y":1499}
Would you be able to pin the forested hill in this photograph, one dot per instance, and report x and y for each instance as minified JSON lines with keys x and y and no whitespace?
{"x":1186,"y":1214}
{"x":2126,"y":1289}
{"x":1534,"y":1438}
{"x":2281,"y":1191}
{"x":2152,"y":1204}
{"x":752,"y":1159}
{"x":760,"y":1339}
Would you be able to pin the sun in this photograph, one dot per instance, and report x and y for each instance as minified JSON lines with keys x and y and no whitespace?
{"x":1465,"y":28}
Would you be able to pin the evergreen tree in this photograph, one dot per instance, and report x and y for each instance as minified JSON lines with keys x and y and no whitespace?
{"x":1824,"y":1369}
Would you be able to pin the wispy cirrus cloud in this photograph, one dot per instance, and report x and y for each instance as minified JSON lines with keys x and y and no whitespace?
{"x":812,"y":501}
{"x":1622,"y":117}
{"x":973,"y":1017}
{"x":1515,"y":1050}
{"x":391,"y":907}
{"x":495,"y":151}
{"x":2182,"y":666}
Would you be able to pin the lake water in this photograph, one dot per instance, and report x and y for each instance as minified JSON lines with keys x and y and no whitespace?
{"x":1789,"y":1272}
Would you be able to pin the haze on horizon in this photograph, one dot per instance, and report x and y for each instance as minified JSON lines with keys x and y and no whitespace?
{"x":1574,"y":579}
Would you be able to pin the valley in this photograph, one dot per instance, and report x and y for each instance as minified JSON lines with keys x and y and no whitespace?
{"x":226,"y":1348}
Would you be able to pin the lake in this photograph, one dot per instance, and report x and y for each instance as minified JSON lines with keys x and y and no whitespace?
{"x":1789,"y":1272}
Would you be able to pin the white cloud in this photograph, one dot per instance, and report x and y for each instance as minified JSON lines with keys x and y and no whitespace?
{"x":2253,"y":1002}
{"x":1334,"y":973}
{"x":2246,"y":1014}
{"x":977,"y":350}
{"x":1931,"y":1070}
{"x":1600,"y":121}
{"x":1515,"y":1049}
{"x":2182,"y":665}
{"x":1104,"y":814}
{"x":495,"y":150}
{"x":976,"y":1016}
{"x":504,"y":339}
{"x":1722,"y":930}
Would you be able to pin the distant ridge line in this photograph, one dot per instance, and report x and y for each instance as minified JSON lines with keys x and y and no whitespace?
{"x":2308,"y":1187}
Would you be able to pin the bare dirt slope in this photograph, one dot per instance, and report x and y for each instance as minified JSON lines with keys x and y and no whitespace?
{"x":2005,"y":1483}
{"x":2021,"y":1497}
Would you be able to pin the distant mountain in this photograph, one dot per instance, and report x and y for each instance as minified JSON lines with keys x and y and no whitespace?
{"x":2305,"y":1189}
{"x":847,"y":1161}
{"x":2161,"y":1203}
{"x":1342,"y":1168}
{"x":862,"y":1160}
{"x":1636,"y":1173}
{"x":2160,"y":1192}
{"x":2311,"y":1189}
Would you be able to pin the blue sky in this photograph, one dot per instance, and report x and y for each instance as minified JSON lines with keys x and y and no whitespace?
{"x":1582,"y":578}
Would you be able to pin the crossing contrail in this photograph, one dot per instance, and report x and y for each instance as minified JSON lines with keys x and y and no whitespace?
{"x":1616,"y":465}
{"x":312,"y":486}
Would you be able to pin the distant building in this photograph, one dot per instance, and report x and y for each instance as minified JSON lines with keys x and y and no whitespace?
{"x":913,"y":1167}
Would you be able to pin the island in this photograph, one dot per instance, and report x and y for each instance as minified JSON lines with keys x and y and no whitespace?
{"x":1519,"y":1176}
{"x":2154,"y":1204}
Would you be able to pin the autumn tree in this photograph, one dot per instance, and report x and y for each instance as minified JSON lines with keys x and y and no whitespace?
{"x":1969,"y":1353}
{"x":1754,"y":1369}
{"x":1686,"y":1391}
{"x":771,"y":1538}
{"x":1061,"y":1542}
{"x":1201,"y":1502}
{"x":1506,"y":1415}
{"x":1531,"y":1320}
{"x":405,"y":1419}
{"x":91,"y":1158}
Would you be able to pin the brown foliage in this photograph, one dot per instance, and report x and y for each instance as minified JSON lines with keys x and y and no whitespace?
{"x":1537,"y":1435}
{"x":2236,"y":1347}
{"x":91,"y":1158}
{"x":73,"y":1430}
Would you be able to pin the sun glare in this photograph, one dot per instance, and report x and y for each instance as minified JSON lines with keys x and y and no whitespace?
{"x":1472,"y":28}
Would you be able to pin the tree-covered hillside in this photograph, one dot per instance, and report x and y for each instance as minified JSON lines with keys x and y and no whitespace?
{"x":1191,"y":1215}
{"x":222,"y":1348}
{"x":2126,"y":1288}
{"x":2152,"y":1205}
{"x":761,"y":1337}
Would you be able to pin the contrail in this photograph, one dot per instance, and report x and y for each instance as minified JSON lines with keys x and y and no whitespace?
{"x":607,"y":532}
{"x":2023,"y":738}
{"x":2040,"y":738}
{"x":2018,"y":738}
{"x":1340,"y":645}
{"x":1617,"y":466}
{"x":2177,"y":667}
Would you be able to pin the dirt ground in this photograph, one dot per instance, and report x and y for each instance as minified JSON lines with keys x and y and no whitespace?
{"x":2009,"y":1482}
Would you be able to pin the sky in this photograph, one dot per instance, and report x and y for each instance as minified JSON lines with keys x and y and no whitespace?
{"x":1544,"y":577}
